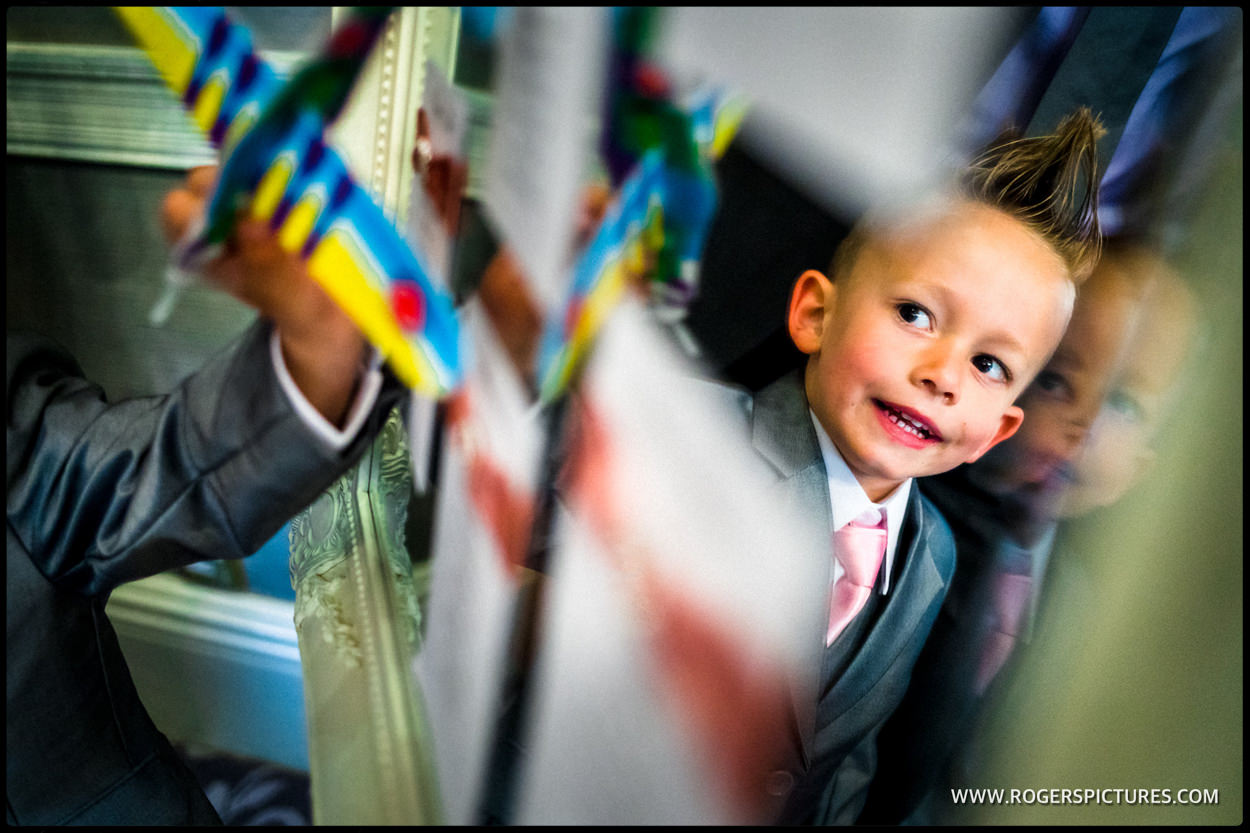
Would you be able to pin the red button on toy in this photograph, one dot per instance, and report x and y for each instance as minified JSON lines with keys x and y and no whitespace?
{"x":409,"y":307}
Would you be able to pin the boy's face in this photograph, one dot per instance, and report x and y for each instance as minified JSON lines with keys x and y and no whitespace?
{"x":917,"y":354}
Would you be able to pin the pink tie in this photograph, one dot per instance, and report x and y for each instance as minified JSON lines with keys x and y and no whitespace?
{"x":1011,"y":595}
{"x":859,"y":547}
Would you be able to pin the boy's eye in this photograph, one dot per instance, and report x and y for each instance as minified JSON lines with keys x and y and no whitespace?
{"x":915,"y":315}
{"x":1053,"y":385}
{"x":1126,"y":406}
{"x":991,"y":367}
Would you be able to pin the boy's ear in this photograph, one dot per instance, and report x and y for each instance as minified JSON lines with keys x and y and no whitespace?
{"x":1008,"y":425}
{"x":810,"y":298}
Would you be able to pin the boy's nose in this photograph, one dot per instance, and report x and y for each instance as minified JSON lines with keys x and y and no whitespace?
{"x":1077,"y":430}
{"x":938,"y":372}
{"x":1085,"y":411}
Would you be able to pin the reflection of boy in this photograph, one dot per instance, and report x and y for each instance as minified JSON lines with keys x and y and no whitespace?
{"x":1119,"y":449}
{"x":930,"y":328}
{"x":1085,"y":441}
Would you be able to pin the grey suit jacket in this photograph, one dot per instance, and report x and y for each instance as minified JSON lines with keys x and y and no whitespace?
{"x":101,"y":494}
{"x":835,"y":750}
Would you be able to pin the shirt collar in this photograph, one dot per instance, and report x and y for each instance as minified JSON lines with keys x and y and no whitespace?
{"x":848,"y":500}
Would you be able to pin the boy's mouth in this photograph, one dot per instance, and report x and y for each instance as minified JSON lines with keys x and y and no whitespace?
{"x":909,"y":421}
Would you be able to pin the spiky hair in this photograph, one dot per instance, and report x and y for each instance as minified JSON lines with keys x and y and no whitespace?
{"x":1050,"y":183}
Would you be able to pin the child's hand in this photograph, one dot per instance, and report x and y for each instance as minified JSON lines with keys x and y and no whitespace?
{"x":442,"y":175}
{"x":322,"y":347}
{"x":506,"y":298}
{"x":253,"y":268}
{"x":595,"y":199}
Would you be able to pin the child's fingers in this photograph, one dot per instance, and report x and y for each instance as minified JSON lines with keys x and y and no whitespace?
{"x":256,"y":244}
{"x":507,"y":301}
{"x":185,"y":203}
{"x":258,"y":270}
{"x":257,"y":263}
{"x":178,"y":209}
{"x":422,"y":151}
{"x":595,"y":199}
{"x":594,"y":204}
{"x":200,"y":180}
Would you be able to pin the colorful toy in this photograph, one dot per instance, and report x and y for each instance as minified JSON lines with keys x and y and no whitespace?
{"x":277,"y":166}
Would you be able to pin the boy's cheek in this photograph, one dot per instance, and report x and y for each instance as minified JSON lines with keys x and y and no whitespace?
{"x":847,"y":369}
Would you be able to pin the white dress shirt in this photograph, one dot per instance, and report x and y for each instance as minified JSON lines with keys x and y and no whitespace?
{"x":366,"y":395}
{"x":848,"y":501}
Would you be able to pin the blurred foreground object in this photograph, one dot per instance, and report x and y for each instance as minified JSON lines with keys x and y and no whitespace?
{"x":854,"y":106}
{"x":683,"y":592}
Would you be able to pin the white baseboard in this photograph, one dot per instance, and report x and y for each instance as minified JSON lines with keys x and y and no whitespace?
{"x":215,"y":667}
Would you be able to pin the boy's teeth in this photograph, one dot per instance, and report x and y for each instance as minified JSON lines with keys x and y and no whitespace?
{"x":908,"y":425}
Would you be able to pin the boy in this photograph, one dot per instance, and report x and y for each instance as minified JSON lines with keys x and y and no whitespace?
{"x":930,"y":328}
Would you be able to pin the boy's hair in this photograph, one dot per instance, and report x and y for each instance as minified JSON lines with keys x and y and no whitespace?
{"x":1049,"y":183}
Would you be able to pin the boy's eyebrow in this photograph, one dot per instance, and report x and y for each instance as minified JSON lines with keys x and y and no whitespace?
{"x":1066,"y":355}
{"x":1009,"y":341}
{"x":1005,"y":342}
{"x":1005,"y":338}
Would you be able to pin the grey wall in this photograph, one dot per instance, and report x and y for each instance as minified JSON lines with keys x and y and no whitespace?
{"x":84,"y":258}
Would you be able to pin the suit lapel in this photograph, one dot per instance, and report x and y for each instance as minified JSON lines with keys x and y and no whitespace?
{"x":783,"y":435}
